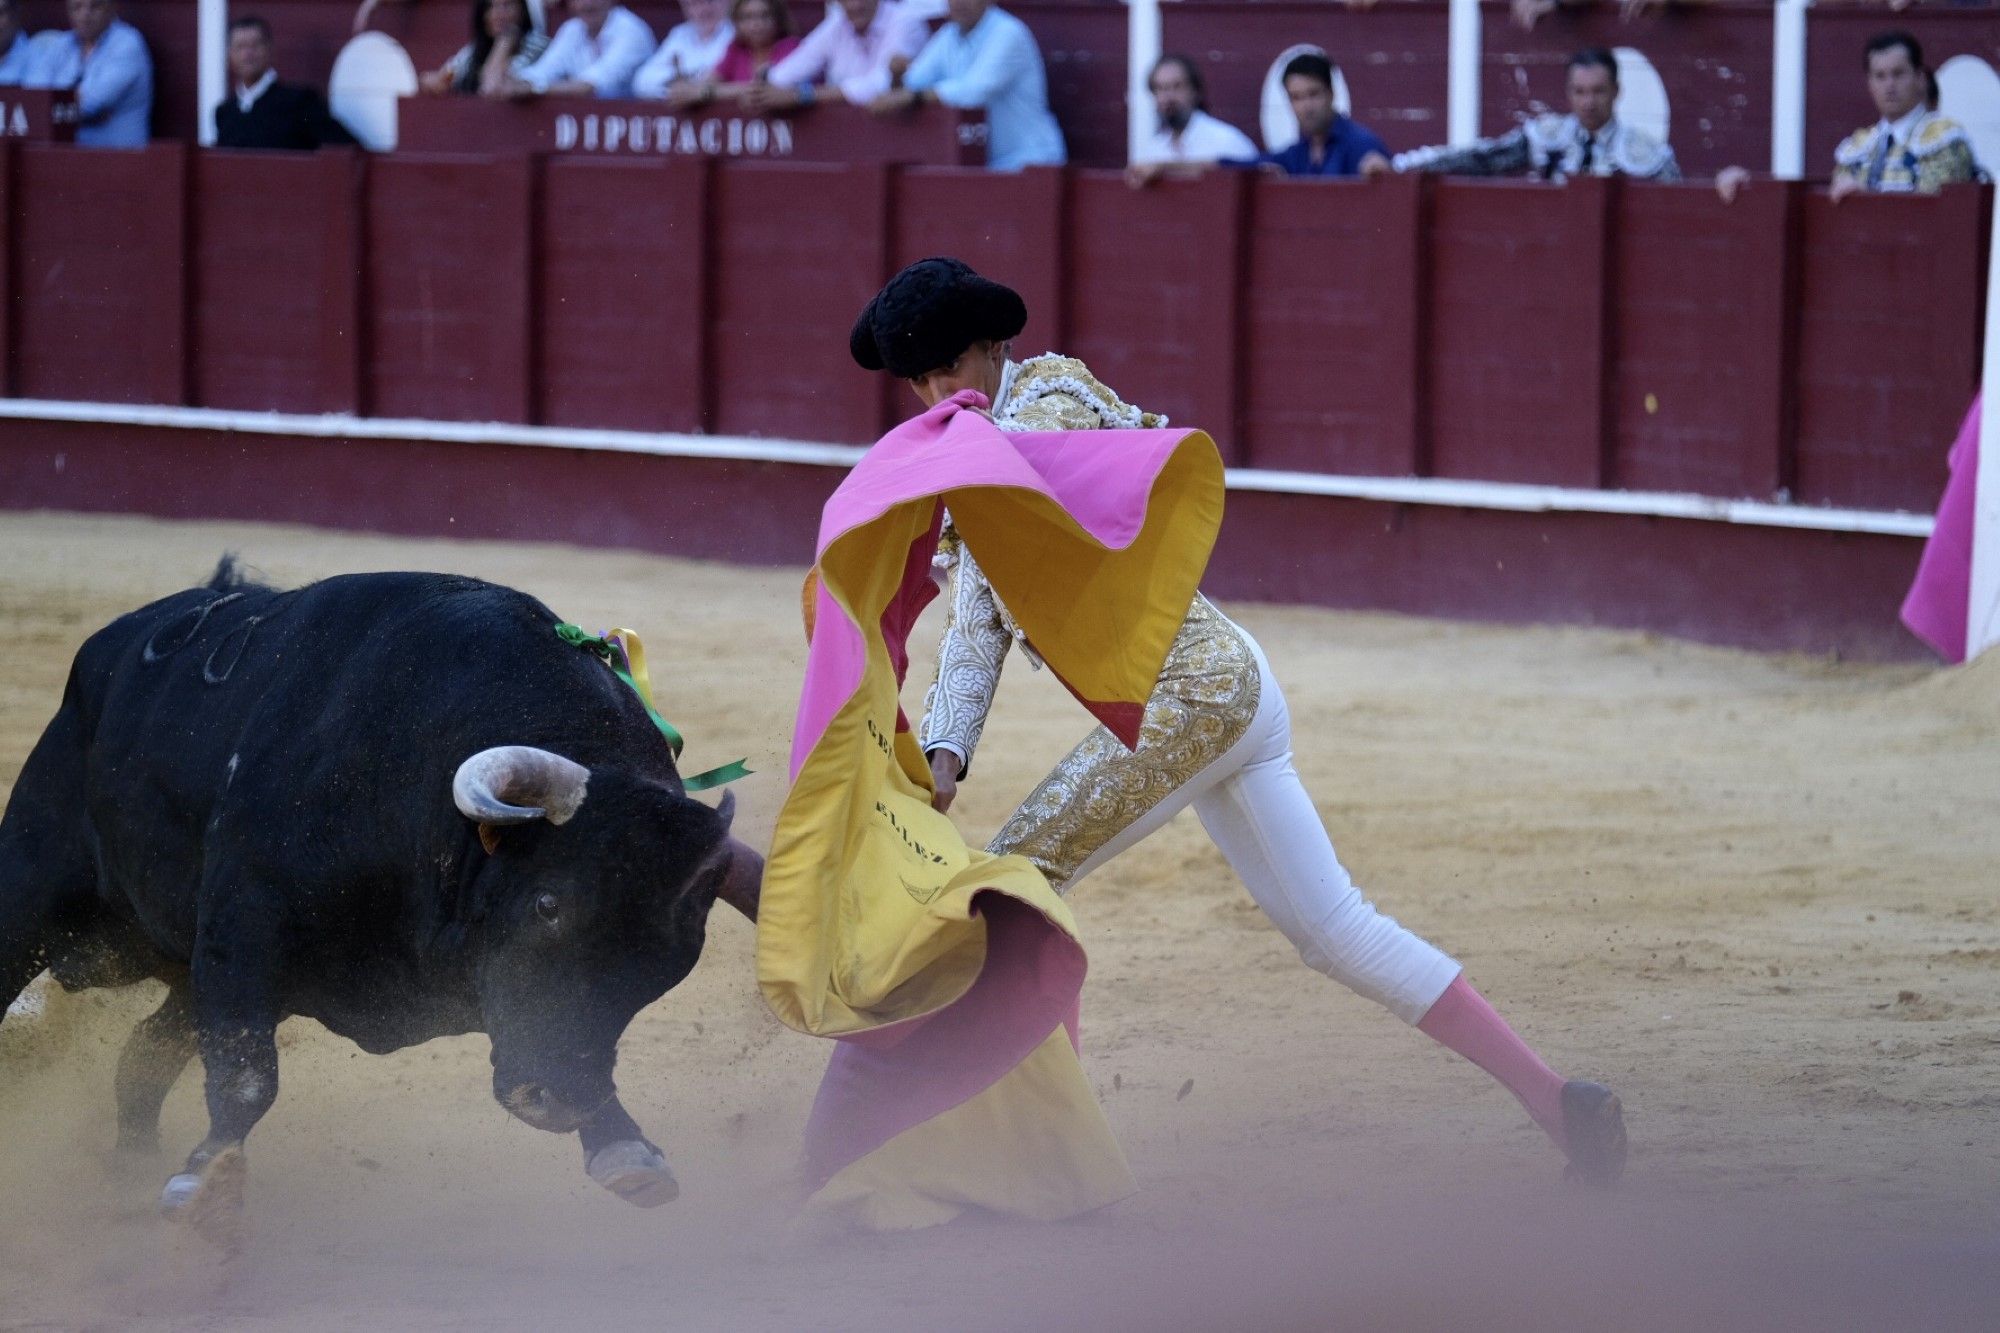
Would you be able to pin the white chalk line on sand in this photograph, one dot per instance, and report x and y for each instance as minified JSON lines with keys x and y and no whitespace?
{"x":1439,"y":491}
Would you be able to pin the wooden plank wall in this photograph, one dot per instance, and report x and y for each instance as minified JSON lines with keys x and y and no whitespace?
{"x":1600,"y":334}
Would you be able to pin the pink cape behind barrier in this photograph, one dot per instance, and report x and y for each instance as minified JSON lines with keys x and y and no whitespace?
{"x":1936,"y":608}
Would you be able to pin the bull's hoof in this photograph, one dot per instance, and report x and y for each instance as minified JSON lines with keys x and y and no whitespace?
{"x":636,"y":1172}
{"x":209,"y":1202}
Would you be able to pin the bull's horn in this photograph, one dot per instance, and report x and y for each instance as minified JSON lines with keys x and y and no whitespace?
{"x":725,"y":810}
{"x":514,"y":784}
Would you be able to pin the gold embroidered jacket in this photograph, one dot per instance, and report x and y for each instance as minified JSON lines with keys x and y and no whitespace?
{"x":1935,"y":153}
{"x":1043,"y":393}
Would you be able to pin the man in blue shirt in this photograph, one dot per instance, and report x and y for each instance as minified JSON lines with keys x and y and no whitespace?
{"x":105,"y":61}
{"x":1329,"y":143}
{"x":985,"y":57}
{"x":13,"y":45}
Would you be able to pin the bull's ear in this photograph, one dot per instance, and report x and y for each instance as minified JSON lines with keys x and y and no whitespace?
{"x":489,"y":838}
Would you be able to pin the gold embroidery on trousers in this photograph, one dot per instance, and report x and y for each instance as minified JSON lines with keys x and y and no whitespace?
{"x":1205,"y":701}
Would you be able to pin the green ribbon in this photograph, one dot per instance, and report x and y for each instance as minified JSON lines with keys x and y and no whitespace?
{"x":608,"y":651}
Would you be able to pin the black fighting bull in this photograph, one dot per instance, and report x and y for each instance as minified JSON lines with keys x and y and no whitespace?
{"x":394,"y":803}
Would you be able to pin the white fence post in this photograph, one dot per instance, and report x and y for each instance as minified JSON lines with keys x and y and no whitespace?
{"x":211,"y":67}
{"x":1461,"y":117}
{"x":1788,"y":89}
{"x":1142,"y":51}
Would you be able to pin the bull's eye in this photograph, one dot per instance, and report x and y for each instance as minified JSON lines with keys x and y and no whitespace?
{"x":548,"y":909}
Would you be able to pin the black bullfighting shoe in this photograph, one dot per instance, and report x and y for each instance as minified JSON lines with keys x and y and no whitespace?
{"x":1593,"y":1133}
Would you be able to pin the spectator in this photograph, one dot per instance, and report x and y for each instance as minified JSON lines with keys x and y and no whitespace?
{"x":1187,"y":132}
{"x":593,"y":54}
{"x":985,"y":57}
{"x":1910,"y":150}
{"x":104,"y":60}
{"x":691,"y":50}
{"x":849,"y":52}
{"x":1589,"y":141}
{"x":1329,"y":143}
{"x":505,"y":41}
{"x":763,"y":38}
{"x":13,"y":46}
{"x":263,"y":113}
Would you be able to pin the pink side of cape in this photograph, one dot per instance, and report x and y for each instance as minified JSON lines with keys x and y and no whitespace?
{"x":1935,"y":609}
{"x":890,"y":1079}
{"x":948,"y":448}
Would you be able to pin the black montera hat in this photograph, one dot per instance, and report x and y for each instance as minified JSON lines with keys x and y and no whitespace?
{"x":929,"y":314}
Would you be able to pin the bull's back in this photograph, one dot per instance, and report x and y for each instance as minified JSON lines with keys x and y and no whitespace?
{"x":273,"y":716}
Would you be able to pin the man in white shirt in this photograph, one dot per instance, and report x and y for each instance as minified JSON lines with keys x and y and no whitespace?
{"x":691,"y":49}
{"x":1187,"y":133}
{"x":849,"y":53}
{"x":594,"y":54}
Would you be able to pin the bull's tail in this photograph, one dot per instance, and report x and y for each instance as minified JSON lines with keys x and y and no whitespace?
{"x":228,"y":574}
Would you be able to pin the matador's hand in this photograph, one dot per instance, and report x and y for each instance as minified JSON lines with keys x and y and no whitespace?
{"x":944,"y":780}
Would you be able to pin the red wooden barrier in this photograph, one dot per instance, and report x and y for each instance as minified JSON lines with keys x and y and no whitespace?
{"x":99,"y":291}
{"x":1714,"y":60}
{"x":38,"y":115}
{"x":275,"y":264}
{"x":785,"y":297}
{"x":448,"y":314}
{"x":1889,"y":344}
{"x":1517,"y":320}
{"x":1083,"y":48}
{"x":8,"y":381}
{"x":623,"y":296}
{"x":631,"y":127}
{"x":1704,"y":336}
{"x":1163,"y":260}
{"x":1392,"y":56}
{"x":1334,"y":293}
{"x":1641,"y":336}
{"x":1008,"y":227}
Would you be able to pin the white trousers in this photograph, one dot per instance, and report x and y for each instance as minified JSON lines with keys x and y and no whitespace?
{"x":1260,"y":818}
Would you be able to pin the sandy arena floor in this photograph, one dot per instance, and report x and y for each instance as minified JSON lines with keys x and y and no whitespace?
{"x":1758,"y":895}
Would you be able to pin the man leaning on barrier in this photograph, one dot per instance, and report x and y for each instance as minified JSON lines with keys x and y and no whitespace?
{"x":846,"y":56}
{"x":1589,"y":141}
{"x":104,"y":61}
{"x":1187,"y":132}
{"x":594,"y":54}
{"x":985,"y":59}
{"x":1910,"y":149}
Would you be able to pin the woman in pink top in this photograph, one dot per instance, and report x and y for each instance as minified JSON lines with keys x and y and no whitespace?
{"x":764,"y":36}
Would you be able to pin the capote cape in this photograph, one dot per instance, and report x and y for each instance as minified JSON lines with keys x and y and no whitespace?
{"x":949,"y":976}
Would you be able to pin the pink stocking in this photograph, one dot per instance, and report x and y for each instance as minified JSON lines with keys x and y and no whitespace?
{"x":1463,"y":1020}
